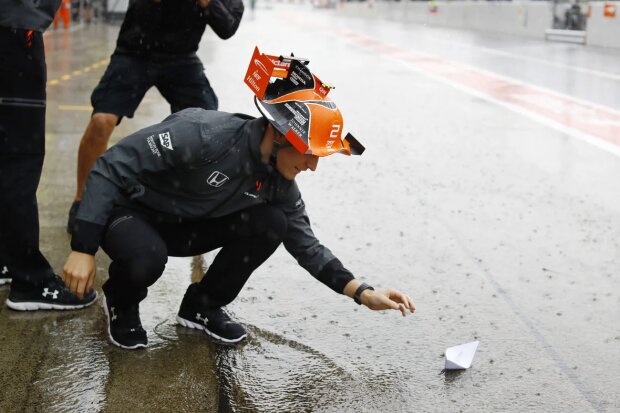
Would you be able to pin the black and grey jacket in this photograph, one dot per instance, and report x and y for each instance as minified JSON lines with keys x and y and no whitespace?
{"x":195,"y":165}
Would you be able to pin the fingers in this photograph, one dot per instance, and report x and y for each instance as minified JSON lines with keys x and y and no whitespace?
{"x":66,"y":276}
{"x":402,"y":309}
{"x":75,"y":283}
{"x":80,"y":287}
{"x":388,"y":303}
{"x":403,"y":300}
{"x":91,"y":281}
{"x":411,"y":306}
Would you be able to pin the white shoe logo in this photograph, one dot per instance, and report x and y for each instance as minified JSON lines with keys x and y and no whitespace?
{"x":204,"y":319}
{"x":164,"y":139}
{"x":47,"y":292}
{"x":113,"y":311}
{"x":5,"y":270}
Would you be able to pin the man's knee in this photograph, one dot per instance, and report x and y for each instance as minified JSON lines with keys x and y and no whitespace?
{"x":100,"y":127}
{"x":145,"y":268}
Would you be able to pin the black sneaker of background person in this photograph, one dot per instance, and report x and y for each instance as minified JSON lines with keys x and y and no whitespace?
{"x":124,"y":326}
{"x":49,"y":294}
{"x":72,"y":213}
{"x":5,"y":275}
{"x":195,"y":313}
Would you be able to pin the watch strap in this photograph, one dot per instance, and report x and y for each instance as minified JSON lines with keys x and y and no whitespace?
{"x":358,"y":293}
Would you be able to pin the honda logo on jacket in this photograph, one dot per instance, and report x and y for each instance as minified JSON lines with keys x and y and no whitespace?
{"x":217,"y":179}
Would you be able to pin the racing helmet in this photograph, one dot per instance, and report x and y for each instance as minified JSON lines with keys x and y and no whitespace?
{"x":295,"y":102}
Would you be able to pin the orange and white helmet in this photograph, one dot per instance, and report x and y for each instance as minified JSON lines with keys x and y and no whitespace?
{"x":296,"y":104}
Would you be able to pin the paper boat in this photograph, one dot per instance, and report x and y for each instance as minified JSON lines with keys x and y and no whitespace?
{"x":461,"y":357}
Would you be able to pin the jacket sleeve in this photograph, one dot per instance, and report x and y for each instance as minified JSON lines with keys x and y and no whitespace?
{"x":174,"y":142}
{"x":224,"y":16}
{"x":302,"y":244}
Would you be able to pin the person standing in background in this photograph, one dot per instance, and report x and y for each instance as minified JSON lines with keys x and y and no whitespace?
{"x":156,"y":46}
{"x":23,"y":74}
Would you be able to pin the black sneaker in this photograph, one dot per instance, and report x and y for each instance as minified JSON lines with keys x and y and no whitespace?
{"x":72,"y":213}
{"x":5,"y":275}
{"x":50,"y":294}
{"x":215,"y":322}
{"x":124,"y":326}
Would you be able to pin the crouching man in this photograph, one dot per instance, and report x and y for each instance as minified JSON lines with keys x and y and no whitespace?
{"x":202,"y":180}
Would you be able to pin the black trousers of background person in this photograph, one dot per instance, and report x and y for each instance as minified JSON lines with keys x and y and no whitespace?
{"x":22,"y":148}
{"x":139,"y":248}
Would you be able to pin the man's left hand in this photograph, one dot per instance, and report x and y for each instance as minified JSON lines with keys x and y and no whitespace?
{"x":387,"y":299}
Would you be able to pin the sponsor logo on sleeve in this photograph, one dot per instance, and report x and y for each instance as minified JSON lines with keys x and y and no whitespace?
{"x":166,"y":142}
{"x":151,"y":142}
{"x":217,"y":179}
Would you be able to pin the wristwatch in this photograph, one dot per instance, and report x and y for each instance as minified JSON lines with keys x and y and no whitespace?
{"x":358,"y":293}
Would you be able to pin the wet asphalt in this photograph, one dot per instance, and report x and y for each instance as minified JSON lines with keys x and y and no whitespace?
{"x":502,"y":229}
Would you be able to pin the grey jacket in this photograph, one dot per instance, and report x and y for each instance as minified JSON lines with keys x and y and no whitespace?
{"x":195,"y":165}
{"x":28,"y":14}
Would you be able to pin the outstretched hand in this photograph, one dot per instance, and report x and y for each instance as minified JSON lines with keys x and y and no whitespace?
{"x":387,"y":299}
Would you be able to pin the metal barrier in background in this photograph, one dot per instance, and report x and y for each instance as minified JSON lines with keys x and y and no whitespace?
{"x":569,"y":21}
{"x":115,"y":9}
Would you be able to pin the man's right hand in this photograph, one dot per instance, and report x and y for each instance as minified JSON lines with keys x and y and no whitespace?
{"x":79,"y":273}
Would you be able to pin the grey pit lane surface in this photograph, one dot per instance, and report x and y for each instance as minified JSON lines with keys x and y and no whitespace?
{"x":500,"y":228}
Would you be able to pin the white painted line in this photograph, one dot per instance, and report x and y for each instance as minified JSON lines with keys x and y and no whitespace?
{"x":599,"y":143}
{"x":606,"y":75}
{"x":574,"y":110}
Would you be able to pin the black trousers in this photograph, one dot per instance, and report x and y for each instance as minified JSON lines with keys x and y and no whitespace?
{"x":22,"y":148}
{"x":139,"y":248}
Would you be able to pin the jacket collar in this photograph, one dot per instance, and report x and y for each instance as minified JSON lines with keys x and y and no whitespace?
{"x":256,"y":129}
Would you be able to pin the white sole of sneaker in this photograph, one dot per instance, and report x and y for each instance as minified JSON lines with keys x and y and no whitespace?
{"x":191,"y":324}
{"x":5,"y":281}
{"x":34,"y":306}
{"x":116,"y":343}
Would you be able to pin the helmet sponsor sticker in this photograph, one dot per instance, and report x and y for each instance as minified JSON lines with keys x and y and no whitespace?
{"x":300,"y":74}
{"x":261,"y":66}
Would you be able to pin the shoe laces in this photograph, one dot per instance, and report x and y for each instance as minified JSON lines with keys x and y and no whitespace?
{"x":219,"y":315}
{"x":58,"y":283}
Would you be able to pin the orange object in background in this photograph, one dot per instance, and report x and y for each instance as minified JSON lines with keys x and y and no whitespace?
{"x":609,"y":10}
{"x":64,"y":14}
